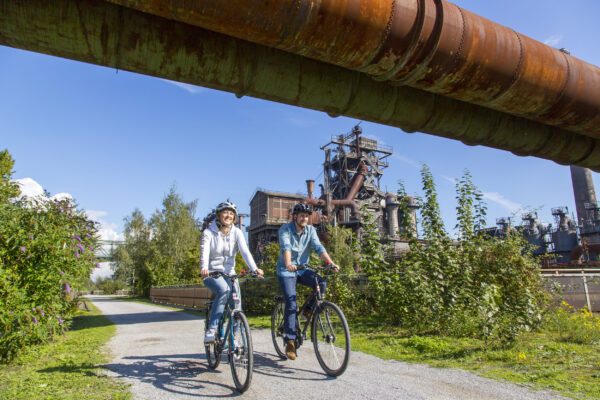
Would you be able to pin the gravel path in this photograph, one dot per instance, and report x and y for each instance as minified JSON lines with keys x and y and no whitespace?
{"x":160,"y":353}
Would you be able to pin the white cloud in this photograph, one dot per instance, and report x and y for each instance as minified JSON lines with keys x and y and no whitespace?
{"x":104,"y":270}
{"x":553,"y":40}
{"x":96,"y":215}
{"x":407,"y":160}
{"x":509,"y":205}
{"x":186,"y":86}
{"x":107,"y":230}
{"x":62,"y":196}
{"x":449,"y":179}
{"x":29,"y":188}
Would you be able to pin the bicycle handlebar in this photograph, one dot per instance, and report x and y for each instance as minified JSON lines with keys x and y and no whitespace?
{"x":216,"y":274}
{"x":326,"y":268}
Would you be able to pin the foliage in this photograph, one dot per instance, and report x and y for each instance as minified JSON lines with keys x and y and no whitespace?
{"x":539,"y":359}
{"x":569,"y":325}
{"x":108,"y":285}
{"x":163,"y":250}
{"x":68,"y":368}
{"x":343,"y":287}
{"x":46,"y":256}
{"x":474,"y":286}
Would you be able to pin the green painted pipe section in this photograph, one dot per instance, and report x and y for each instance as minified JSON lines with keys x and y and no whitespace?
{"x":105,"y":34}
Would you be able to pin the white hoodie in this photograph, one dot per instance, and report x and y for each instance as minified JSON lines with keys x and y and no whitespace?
{"x":218,"y":250}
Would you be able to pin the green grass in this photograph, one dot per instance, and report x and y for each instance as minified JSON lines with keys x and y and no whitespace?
{"x":538,"y":360}
{"x":66,"y":368}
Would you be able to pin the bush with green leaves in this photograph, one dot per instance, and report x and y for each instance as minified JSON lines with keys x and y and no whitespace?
{"x":46,"y":255}
{"x":470,"y":286}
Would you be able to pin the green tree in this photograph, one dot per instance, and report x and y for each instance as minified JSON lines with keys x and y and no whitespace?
{"x":133,"y":257}
{"x":176,"y":241}
{"x":8,"y":189}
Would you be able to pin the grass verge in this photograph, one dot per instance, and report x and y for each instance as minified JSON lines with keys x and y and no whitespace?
{"x":66,"y":368}
{"x":538,"y":360}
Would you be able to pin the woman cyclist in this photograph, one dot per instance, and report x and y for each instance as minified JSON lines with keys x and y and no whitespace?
{"x":221,"y":241}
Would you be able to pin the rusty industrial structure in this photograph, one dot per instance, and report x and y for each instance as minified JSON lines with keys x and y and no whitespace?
{"x":569,"y":241}
{"x":352,"y":172}
{"x":420,"y":65}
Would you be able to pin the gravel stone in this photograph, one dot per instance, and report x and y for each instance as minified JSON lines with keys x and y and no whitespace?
{"x":160,"y":353}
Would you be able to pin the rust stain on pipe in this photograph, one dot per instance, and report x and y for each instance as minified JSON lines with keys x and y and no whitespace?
{"x":105,"y":34}
{"x":432,"y":45}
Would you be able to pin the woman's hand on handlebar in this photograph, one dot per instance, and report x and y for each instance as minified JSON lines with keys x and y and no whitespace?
{"x":260,"y":272}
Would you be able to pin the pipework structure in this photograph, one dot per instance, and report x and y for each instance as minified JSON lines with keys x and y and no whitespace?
{"x":419,"y":65}
{"x":569,"y":240}
{"x":352,"y":172}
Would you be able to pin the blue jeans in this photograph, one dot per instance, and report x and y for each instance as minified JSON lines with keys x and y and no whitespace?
{"x":221,"y":289}
{"x":288,"y":286}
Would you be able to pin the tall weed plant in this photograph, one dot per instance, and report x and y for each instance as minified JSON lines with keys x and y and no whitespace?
{"x":474,"y":285}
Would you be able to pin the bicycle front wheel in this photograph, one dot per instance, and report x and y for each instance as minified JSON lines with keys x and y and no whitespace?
{"x":331,"y":339}
{"x":277,"y":329}
{"x":241,"y":356}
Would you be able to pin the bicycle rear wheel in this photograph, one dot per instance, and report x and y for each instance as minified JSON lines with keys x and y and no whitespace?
{"x":277,"y":329}
{"x":213,"y":355}
{"x":331,"y":338}
{"x":213,"y":350}
{"x":241,"y":355}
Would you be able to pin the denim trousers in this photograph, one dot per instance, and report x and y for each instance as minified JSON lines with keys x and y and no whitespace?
{"x":288,"y":286}
{"x":221,"y":288}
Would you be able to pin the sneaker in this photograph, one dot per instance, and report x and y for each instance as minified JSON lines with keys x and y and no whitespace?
{"x":290,"y":350}
{"x":209,"y":336}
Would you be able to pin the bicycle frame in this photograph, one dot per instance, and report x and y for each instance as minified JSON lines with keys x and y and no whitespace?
{"x":315,"y":296}
{"x":228,"y":314}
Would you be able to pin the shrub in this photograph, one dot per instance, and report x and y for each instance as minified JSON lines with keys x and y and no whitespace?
{"x":572,"y":326}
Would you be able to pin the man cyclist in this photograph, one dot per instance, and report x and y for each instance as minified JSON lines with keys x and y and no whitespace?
{"x":296,"y":240}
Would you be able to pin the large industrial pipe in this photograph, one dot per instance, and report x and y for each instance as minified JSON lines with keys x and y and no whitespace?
{"x":106,"y":34}
{"x":310,"y":188}
{"x":391,"y":210}
{"x":357,"y":181}
{"x":584,"y":192}
{"x":432,"y":45}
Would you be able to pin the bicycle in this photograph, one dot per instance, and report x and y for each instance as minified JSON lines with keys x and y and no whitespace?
{"x":329,"y":329}
{"x":233,"y":336}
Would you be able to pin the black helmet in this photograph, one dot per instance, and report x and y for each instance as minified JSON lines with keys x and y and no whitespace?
{"x":301,"y":208}
{"x":226,"y":205}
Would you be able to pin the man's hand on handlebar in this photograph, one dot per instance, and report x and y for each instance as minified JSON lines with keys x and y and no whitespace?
{"x":204,"y":272}
{"x":291,"y":268}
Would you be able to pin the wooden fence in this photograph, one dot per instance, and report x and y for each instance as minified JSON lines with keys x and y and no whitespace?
{"x":579,"y":288}
{"x":193,"y":296}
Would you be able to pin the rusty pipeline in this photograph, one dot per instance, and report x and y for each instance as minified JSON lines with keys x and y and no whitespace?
{"x":349,"y":202}
{"x":432,"y":45}
{"x":357,"y":181}
{"x":103,"y":33}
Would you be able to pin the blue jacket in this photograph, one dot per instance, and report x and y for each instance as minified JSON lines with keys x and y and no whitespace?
{"x":299,"y":245}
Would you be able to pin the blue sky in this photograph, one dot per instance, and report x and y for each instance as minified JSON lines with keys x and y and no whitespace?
{"x":117,"y":141}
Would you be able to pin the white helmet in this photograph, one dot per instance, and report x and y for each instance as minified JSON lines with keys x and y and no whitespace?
{"x":227,"y":205}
